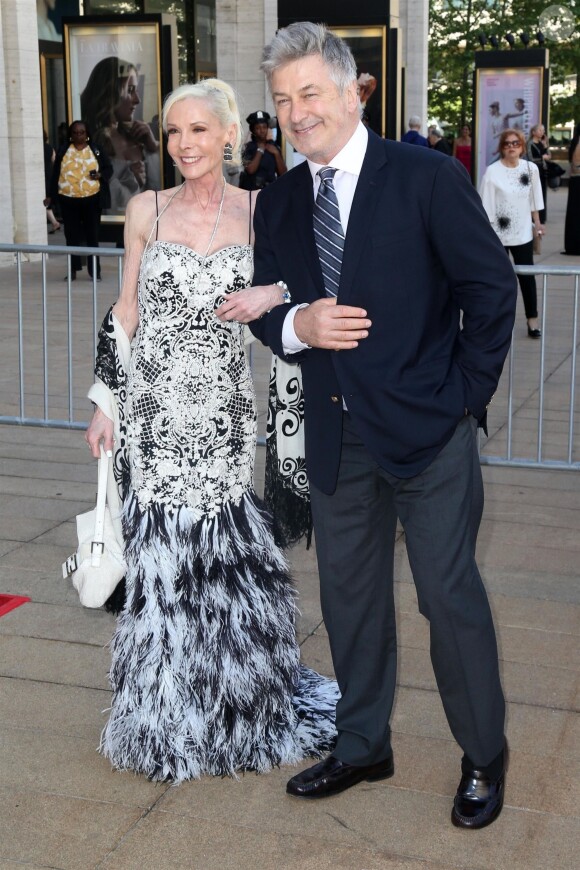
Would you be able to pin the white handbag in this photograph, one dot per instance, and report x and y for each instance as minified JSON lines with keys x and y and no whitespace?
{"x":99,"y":564}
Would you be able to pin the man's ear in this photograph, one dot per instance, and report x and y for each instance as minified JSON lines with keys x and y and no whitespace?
{"x":352,"y":97}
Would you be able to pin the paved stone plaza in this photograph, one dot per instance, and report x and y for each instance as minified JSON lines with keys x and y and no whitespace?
{"x":61,"y":805}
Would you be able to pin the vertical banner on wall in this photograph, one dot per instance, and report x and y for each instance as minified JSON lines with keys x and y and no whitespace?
{"x":512,"y":94}
{"x":113,"y":73}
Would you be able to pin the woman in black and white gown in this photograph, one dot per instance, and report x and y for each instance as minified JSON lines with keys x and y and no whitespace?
{"x":205,"y":666}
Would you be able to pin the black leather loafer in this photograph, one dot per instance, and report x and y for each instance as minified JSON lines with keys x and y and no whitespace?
{"x":534,"y":333}
{"x":332,"y":776}
{"x":479,"y":800}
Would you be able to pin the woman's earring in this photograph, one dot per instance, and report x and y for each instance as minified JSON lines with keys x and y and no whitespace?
{"x":228,"y":151}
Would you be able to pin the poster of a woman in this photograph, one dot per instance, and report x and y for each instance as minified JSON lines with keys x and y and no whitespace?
{"x":505,"y":98}
{"x":114,"y":86}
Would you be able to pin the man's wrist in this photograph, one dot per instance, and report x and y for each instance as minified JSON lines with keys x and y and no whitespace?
{"x":290,"y":342}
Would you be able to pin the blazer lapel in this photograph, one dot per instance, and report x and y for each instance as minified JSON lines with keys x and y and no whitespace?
{"x":369,"y":187}
{"x":302,"y":209}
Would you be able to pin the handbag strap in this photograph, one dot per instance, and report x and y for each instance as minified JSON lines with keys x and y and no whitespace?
{"x":98,"y":542}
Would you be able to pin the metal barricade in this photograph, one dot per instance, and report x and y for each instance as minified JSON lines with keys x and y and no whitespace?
{"x":533,"y":422}
{"x":49,"y":333}
{"x":55,"y":319}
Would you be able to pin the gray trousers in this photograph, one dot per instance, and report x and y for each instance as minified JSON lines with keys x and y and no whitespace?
{"x":440,"y":510}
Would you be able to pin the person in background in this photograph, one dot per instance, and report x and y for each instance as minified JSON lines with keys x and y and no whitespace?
{"x":413,"y":134}
{"x":401,"y":325}
{"x":80,"y":177}
{"x":538,"y":152}
{"x":518,"y":119}
{"x":462,"y":147}
{"x":496,"y":127}
{"x":49,"y":156}
{"x":572,"y":225}
{"x":512,"y":197}
{"x":62,"y":133}
{"x":262,"y":159}
{"x":108,"y":102}
{"x":437,"y":142}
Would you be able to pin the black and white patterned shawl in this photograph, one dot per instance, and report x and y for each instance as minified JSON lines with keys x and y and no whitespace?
{"x":286,"y":490}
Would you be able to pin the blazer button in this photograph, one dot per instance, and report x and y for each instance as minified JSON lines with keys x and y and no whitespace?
{"x":335,"y":398}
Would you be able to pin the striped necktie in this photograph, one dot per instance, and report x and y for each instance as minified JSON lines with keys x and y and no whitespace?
{"x":328,"y":231}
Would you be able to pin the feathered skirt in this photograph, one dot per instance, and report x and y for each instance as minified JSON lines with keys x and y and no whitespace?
{"x":205,"y":667}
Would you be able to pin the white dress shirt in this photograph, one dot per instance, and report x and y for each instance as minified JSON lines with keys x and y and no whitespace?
{"x":348,"y":163}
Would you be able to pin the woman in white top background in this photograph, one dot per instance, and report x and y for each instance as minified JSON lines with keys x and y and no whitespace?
{"x":512,"y":197}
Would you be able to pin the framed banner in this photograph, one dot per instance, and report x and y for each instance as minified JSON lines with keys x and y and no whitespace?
{"x":514,"y":95}
{"x":114,"y":84}
{"x":369,"y":47}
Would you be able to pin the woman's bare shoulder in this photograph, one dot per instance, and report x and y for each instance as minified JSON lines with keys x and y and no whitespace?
{"x":140,"y":213}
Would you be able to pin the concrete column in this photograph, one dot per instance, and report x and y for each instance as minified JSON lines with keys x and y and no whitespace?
{"x":414,"y":18}
{"x":6,"y":216}
{"x":21,"y":126}
{"x":243,"y":28}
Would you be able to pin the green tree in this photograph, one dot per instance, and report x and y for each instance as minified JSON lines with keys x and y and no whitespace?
{"x":454,"y":30}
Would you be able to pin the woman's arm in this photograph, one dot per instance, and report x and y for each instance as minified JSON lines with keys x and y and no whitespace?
{"x":251,"y":165}
{"x":139,"y":218}
{"x":139,"y":215}
{"x":105,"y":165}
{"x":55,"y":175}
{"x":487,"y":194}
{"x":252,"y":302}
{"x":281,"y":167}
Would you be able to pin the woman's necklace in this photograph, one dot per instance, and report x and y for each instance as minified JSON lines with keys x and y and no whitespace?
{"x":205,"y":285}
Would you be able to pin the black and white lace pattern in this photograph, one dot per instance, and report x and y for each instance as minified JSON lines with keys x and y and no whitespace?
{"x":286,"y":490}
{"x":191,"y":405}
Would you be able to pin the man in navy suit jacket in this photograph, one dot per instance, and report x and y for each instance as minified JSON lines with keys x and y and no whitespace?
{"x":397,"y":372}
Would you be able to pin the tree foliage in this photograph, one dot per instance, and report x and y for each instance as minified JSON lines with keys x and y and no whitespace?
{"x":454,"y":36}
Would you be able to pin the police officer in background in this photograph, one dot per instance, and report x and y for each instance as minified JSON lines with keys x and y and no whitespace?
{"x":262,"y":159}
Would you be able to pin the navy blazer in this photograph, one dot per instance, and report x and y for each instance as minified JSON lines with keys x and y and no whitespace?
{"x":421,"y":257}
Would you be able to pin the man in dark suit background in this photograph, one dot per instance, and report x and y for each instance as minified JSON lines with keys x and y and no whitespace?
{"x":401,"y":329}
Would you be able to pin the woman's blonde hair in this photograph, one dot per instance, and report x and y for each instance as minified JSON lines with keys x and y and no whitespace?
{"x":221,"y":100}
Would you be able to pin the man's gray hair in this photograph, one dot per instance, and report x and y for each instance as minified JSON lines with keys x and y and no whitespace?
{"x":304,"y":39}
{"x":415,"y":121}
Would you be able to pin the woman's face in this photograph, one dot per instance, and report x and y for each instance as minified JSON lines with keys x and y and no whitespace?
{"x":78,"y":135}
{"x":465,"y":132}
{"x":196,"y":138}
{"x":128,"y":99}
{"x":260,"y":130}
{"x":511,"y":147}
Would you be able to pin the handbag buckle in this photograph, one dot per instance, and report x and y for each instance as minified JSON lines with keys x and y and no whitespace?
{"x":97,"y":544}
{"x":70,"y":566}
